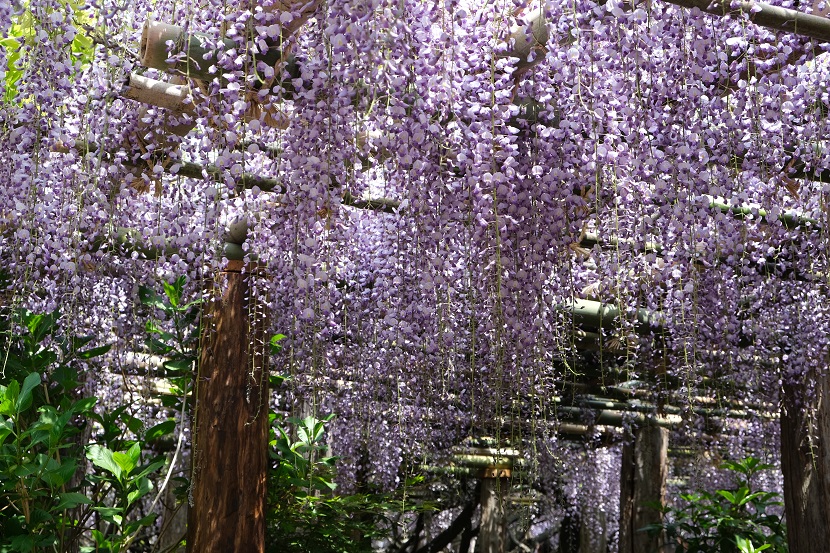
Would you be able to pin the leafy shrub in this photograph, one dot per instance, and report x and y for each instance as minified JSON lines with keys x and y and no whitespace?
{"x":304,"y":513}
{"x":47,"y":501}
{"x":726,"y":521}
{"x":175,"y":336}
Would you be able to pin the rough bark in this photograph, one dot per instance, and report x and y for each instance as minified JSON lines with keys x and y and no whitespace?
{"x":227,"y":512}
{"x":492,"y":537}
{"x":765,"y":15}
{"x":805,"y":463}
{"x":643,"y":481}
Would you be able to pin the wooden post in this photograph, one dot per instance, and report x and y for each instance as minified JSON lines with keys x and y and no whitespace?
{"x":492,"y":535}
{"x":227,"y":511}
{"x":593,"y":529}
{"x":643,"y":481}
{"x":805,"y":463}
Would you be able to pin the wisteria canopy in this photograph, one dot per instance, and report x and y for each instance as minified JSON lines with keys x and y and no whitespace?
{"x":466,"y":210}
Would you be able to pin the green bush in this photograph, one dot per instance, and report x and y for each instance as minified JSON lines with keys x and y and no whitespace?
{"x":304,"y":513}
{"x":47,"y":501}
{"x":726,"y":521}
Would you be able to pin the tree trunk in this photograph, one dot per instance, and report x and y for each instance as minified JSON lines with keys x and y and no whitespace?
{"x":643,"y":481}
{"x":492,"y":536}
{"x":805,"y":463}
{"x":231,"y":431}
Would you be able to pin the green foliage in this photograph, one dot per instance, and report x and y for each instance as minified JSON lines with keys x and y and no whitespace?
{"x":175,"y":335}
{"x":24,"y":32}
{"x":726,"y":521}
{"x":304,"y":513}
{"x":46,"y":499}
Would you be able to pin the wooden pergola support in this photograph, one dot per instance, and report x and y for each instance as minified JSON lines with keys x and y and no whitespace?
{"x":492,"y":535}
{"x":227,"y":509}
{"x":805,"y":462}
{"x":642,"y":484}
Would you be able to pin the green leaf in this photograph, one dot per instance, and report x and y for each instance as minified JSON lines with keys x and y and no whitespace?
{"x":148,"y":297}
{"x":84,"y":405}
{"x":174,"y":291}
{"x":40,"y":361}
{"x":323,"y":485}
{"x":10,"y":43}
{"x":58,"y":475}
{"x":135,"y":525}
{"x":132,"y":423}
{"x":135,"y":452}
{"x":80,"y":341}
{"x":23,"y":543}
{"x":94,"y":352}
{"x":111,"y":514}
{"x":158,"y":347}
{"x":151,"y":468}
{"x":66,"y":377}
{"x":143,"y":487}
{"x":40,"y":325}
{"x":127,"y":461}
{"x":99,"y":538}
{"x":179,"y":365}
{"x":70,"y":500}
{"x":10,"y":395}
{"x":276,"y":347}
{"x":103,"y":458}
{"x":159,"y":430}
{"x":6,"y":428}
{"x":24,"y":400}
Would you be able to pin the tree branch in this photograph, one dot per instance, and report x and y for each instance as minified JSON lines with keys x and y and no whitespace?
{"x":765,"y":15}
{"x":461,"y":522}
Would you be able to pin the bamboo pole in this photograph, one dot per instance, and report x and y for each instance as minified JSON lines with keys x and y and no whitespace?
{"x":246,"y":182}
{"x":175,"y":97}
{"x":191,"y":54}
{"x":597,"y":315}
{"x":179,"y":99}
